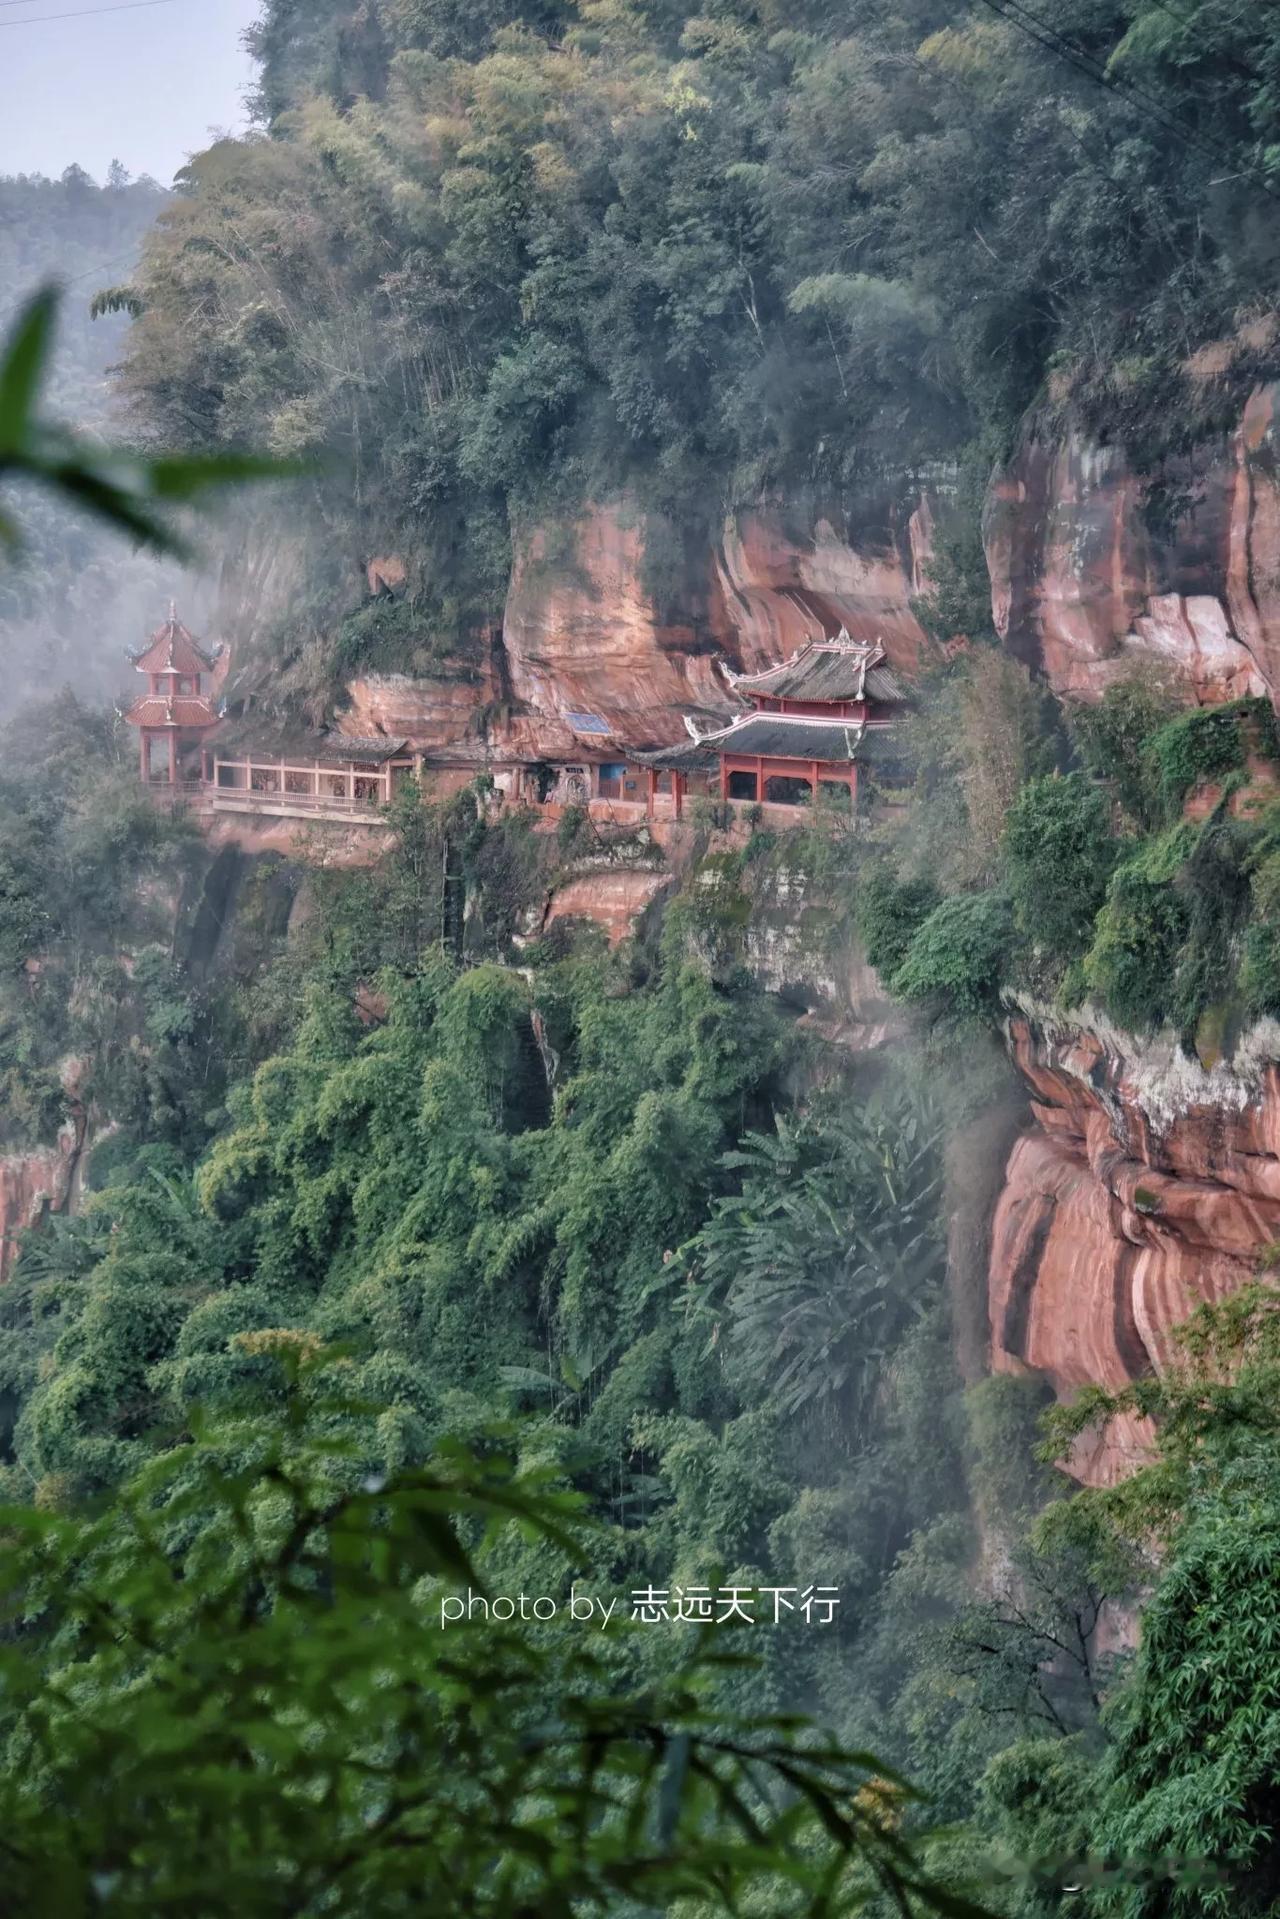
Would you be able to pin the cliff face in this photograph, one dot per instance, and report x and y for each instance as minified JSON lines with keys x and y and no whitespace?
{"x":585,"y":632}
{"x":775,"y":589}
{"x":1091,"y":569}
{"x":31,"y":1185}
{"x":45,"y":1179}
{"x":1147,"y":1185}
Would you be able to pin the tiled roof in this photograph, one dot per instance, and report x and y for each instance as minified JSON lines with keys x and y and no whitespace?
{"x":884,"y":685}
{"x":686,"y":756}
{"x":883,"y":745}
{"x":350,"y":746}
{"x":172,"y":649}
{"x":782,"y":736}
{"x":176,"y":709}
{"x":839,"y":669}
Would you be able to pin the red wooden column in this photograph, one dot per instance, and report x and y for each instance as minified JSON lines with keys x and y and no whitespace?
{"x":814,"y":774}
{"x":650,"y":788}
{"x":145,"y":756}
{"x":724,"y":779}
{"x":678,"y":783}
{"x":173,"y":756}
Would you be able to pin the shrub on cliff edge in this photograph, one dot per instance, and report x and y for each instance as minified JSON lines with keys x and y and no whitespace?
{"x":957,"y":957}
{"x":1058,"y":855}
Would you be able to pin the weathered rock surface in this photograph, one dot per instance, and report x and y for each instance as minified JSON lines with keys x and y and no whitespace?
{"x":1147,"y":1186}
{"x":614,"y":899}
{"x":31,"y":1185}
{"x":1083,"y":585}
{"x":1253,"y":573}
{"x":325,"y":845}
{"x":584,"y":636}
{"x":43,"y":1179}
{"x":777,"y":591}
{"x":438,"y":713}
{"x":586,"y":632}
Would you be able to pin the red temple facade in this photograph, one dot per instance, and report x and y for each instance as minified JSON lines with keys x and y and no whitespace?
{"x":175,"y":714}
{"x":803,"y":729}
{"x":807,"y":723}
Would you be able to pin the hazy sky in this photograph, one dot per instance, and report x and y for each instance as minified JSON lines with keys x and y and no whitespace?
{"x":141,"y":83}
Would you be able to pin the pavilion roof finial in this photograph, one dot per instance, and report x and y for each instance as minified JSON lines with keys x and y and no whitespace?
{"x":173,"y":609}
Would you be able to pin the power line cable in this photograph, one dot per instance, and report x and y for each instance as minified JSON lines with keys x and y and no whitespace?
{"x":85,"y":13}
{"x":1123,"y":82}
{"x":1035,"y":28}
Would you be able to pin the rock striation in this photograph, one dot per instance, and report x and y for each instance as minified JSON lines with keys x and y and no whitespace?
{"x":1147,"y":1185}
{"x":33,"y":1184}
{"x":614,"y":898}
{"x":44,"y":1179}
{"x":1093,"y":568}
{"x":587,"y":631}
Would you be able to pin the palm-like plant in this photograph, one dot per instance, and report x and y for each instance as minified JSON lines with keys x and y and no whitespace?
{"x":832,"y":1249}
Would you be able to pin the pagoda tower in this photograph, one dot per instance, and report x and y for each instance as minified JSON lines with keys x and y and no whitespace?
{"x":175,"y":710}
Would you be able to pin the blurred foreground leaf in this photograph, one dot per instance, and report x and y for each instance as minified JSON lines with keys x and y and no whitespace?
{"x":129,"y":491}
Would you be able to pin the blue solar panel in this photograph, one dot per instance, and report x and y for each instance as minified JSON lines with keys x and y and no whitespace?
{"x":588,"y":723}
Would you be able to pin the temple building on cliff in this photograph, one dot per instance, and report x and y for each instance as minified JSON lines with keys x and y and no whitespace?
{"x":808,"y":723}
{"x":175,"y":714}
{"x":186,"y":746}
{"x":804,"y":728}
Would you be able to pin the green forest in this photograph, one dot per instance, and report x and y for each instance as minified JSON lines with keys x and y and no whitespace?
{"x":419,"y":1260}
{"x":492,"y":261}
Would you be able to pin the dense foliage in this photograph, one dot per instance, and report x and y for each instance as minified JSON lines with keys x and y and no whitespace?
{"x":90,"y":873}
{"x":1121,"y":854}
{"x":613,"y":1212}
{"x":282,"y":1695}
{"x":494,"y":261}
{"x":1190,"y":1775}
{"x":620,"y":1199}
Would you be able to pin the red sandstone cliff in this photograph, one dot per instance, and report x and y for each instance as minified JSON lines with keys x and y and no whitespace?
{"x":1085,"y":577}
{"x":31,"y":1185}
{"x":622,"y":616}
{"x":586,"y":630}
{"x":1146,"y":1186}
{"x":44,"y":1178}
{"x":1147,"y":1183}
